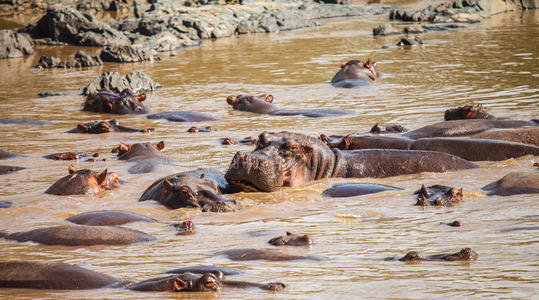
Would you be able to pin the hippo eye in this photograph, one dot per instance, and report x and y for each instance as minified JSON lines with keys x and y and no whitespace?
{"x":185,"y":190}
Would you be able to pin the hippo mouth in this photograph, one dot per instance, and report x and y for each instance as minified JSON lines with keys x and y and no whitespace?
{"x":245,"y":186}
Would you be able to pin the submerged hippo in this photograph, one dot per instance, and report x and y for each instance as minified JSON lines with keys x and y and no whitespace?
{"x":514,"y":183}
{"x":466,"y":254}
{"x":9,"y":169}
{"x":355,"y":73}
{"x":291,"y":239}
{"x":292,"y":159}
{"x":81,"y":235}
{"x":56,"y":276}
{"x":80,"y":182}
{"x":127,"y":102}
{"x":438,"y":195}
{"x":196,"y":188}
{"x":262,"y":254}
{"x":206,"y":269}
{"x":467,"y":112}
{"x":342,"y":190}
{"x":6,"y":155}
{"x":182,"y":116}
{"x":68,"y":155}
{"x":146,"y":156}
{"x":380,"y":129}
{"x":355,"y":142}
{"x":464,"y":127}
{"x":476,"y":149}
{"x":108,"y":218}
{"x":264,"y":105}
{"x":195,"y":129}
{"x":526,"y":135}
{"x":5,"y":204}
{"x":97,"y":127}
{"x":186,"y":282}
{"x":185,"y":228}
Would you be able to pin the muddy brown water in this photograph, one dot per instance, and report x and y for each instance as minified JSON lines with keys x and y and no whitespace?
{"x":494,"y":63}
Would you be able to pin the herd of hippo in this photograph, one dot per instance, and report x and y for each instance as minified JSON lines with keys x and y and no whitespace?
{"x":280,"y":159}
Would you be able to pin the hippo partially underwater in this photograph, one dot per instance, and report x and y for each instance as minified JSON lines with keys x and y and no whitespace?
{"x":355,"y":73}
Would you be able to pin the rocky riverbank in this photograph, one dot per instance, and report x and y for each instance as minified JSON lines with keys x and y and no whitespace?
{"x":165,"y":25}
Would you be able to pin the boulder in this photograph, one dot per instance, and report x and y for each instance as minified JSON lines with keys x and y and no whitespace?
{"x":137,"y":81}
{"x":14,"y":44}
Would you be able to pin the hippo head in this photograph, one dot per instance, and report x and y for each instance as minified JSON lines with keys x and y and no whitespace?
{"x":84,"y":182}
{"x":466,"y":254}
{"x":291,"y":240}
{"x":126,"y":152}
{"x":260,"y":105}
{"x":354,"y":73}
{"x":97,"y":127}
{"x":467,"y":112}
{"x":280,"y":159}
{"x":189,"y":191}
{"x":126,"y":102}
{"x":208,"y":282}
{"x":412,"y":256}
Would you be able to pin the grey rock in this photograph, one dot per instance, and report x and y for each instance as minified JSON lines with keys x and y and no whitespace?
{"x":14,"y":44}
{"x":385,"y":29}
{"x":126,"y":54}
{"x":136,"y":81}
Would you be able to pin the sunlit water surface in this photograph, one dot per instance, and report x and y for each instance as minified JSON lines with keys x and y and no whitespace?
{"x":494,"y":63}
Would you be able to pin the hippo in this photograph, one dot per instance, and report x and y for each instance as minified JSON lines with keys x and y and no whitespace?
{"x":53,"y":275}
{"x":455,"y":223}
{"x":108,"y":218}
{"x":342,"y":190}
{"x":526,"y":135}
{"x":98,"y":127}
{"x":127,"y":102}
{"x":263,"y":254}
{"x":80,"y":182}
{"x":81,"y":235}
{"x":6,"y":155}
{"x":272,"y":286}
{"x":185,"y":228}
{"x":185,"y":282}
{"x":146,"y":156}
{"x":513,"y":184}
{"x":354,"y":142}
{"x":466,"y":254}
{"x":50,"y":94}
{"x":182,"y":116}
{"x":24,"y":122}
{"x":409,"y":41}
{"x":292,"y":159}
{"x":5,"y":204}
{"x":475,"y":149}
{"x":197,"y":188}
{"x":464,"y":127}
{"x":227,"y":141}
{"x":195,"y":129}
{"x":355,"y":73}
{"x":264,"y":105}
{"x":291,"y":239}
{"x":438,"y":195}
{"x":9,"y":169}
{"x":381,"y":129}
{"x":66,"y":156}
{"x":467,"y":112}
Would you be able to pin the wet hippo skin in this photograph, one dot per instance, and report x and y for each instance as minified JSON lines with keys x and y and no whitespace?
{"x":80,"y":182}
{"x":438,"y":195}
{"x":206,"y":269}
{"x":108,"y":218}
{"x":513,"y":184}
{"x":467,"y":112}
{"x":291,"y":159}
{"x":6,"y":155}
{"x":526,"y":135}
{"x":189,"y":189}
{"x":127,"y":102}
{"x":145,"y":155}
{"x":264,"y":105}
{"x":262,"y":254}
{"x":57,"y":276}
{"x":97,"y":127}
{"x":466,"y":254}
{"x":464,"y":127}
{"x":81,"y":235}
{"x":355,"y":73}
{"x":342,"y":190}
{"x":186,"y":282}
{"x":182,"y":116}
{"x":354,"y":142}
{"x":9,"y":169}
{"x":291,"y":239}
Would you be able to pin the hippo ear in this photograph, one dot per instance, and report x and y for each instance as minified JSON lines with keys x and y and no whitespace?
{"x":179,"y":284}
{"x":202,"y":176}
{"x":123,"y":148}
{"x":71,"y":169}
{"x":269,"y":98}
{"x":479,"y":106}
{"x":232,"y":100}
{"x":342,"y":64}
{"x":102,"y":177}
{"x":140,"y":97}
{"x":367,"y":64}
{"x":109,"y":106}
{"x":160,"y":146}
{"x":167,"y":185}
{"x":288,"y":233}
{"x":82,"y":128}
